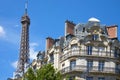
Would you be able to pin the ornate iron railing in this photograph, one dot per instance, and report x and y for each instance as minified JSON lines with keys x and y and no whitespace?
{"x":71,"y":53}
{"x":85,"y":69}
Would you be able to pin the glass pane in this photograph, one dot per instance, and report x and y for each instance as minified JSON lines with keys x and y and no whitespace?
{"x":89,"y":65}
{"x":89,"y":48}
{"x":72,"y":64}
{"x":101,"y":78}
{"x":101,"y":66}
{"x":89,"y":78}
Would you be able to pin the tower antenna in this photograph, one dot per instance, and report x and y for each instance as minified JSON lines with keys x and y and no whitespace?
{"x":26,"y":7}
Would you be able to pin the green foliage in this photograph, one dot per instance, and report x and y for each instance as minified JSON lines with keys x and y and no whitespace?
{"x":30,"y":75}
{"x":46,"y":72}
{"x":67,"y":77}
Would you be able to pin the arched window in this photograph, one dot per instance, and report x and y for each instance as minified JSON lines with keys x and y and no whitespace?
{"x":74,"y":46}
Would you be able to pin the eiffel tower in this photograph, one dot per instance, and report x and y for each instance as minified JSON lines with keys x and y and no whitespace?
{"x":24,"y":45}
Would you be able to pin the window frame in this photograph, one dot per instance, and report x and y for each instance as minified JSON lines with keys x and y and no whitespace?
{"x":89,"y":65}
{"x":101,"y":66}
{"x":89,"y":78}
{"x":89,"y":50}
{"x":72,"y":64}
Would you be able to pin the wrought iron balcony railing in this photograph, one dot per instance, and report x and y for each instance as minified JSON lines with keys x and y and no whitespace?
{"x":71,"y":53}
{"x":85,"y":69}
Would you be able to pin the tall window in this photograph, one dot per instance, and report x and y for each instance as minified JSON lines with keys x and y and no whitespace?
{"x":51,"y":58}
{"x":57,"y":43}
{"x":74,"y":48}
{"x":89,"y":65}
{"x":101,"y":78}
{"x":94,"y":37}
{"x":100,"y":50}
{"x":101,"y":66}
{"x":116,"y":52}
{"x":72,"y":64}
{"x":89,"y":78}
{"x":89,"y":50}
{"x":117,"y":70}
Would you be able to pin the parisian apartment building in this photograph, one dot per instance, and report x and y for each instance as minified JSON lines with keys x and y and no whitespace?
{"x":87,"y":51}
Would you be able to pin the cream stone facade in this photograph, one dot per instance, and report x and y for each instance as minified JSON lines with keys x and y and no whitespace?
{"x":86,"y":52}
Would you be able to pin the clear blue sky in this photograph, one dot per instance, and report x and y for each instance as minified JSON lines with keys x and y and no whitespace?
{"x":47,"y":19}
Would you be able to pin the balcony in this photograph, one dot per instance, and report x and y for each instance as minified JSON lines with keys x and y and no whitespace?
{"x":84,"y":70}
{"x":83,"y":53}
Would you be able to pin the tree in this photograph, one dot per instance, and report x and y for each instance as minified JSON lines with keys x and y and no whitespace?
{"x":46,"y":72}
{"x":30,"y":75}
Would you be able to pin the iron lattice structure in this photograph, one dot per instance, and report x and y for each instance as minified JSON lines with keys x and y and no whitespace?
{"x":24,"y":46}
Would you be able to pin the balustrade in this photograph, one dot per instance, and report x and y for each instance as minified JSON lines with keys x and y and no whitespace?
{"x":84,"y":69}
{"x":71,"y":53}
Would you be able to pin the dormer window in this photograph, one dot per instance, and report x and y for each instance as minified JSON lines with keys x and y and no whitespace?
{"x":74,"y":46}
{"x":57,"y":42}
{"x":95,"y":37}
{"x":51,"y":58}
{"x":69,"y":36}
{"x":83,"y":29}
{"x":76,"y":31}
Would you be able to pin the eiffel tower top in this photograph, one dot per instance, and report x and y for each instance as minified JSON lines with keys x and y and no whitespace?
{"x":25,"y":17}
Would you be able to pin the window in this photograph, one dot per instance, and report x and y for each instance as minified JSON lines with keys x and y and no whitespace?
{"x":72,"y":78}
{"x":63,"y":64}
{"x":34,"y":67}
{"x":74,"y":46}
{"x":116,"y":51}
{"x":83,"y":29}
{"x":40,"y":57}
{"x":117,"y":70}
{"x":101,"y":51}
{"x":76,"y":31}
{"x":101,"y":66}
{"x":57,"y":42}
{"x":94,"y":37}
{"x":89,"y":50}
{"x":89,"y":65}
{"x":72,"y":64}
{"x":51,"y":58}
{"x":89,"y":78}
{"x":101,"y":78}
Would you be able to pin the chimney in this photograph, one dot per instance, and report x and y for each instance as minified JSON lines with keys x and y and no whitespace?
{"x":49,"y":43}
{"x":112,"y":31}
{"x":69,"y":27}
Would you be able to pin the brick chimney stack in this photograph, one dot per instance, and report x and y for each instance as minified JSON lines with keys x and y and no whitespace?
{"x":49,"y":42}
{"x":69,"y":27}
{"x":112,"y":31}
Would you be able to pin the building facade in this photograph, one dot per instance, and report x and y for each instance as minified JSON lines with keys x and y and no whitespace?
{"x":88,"y":51}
